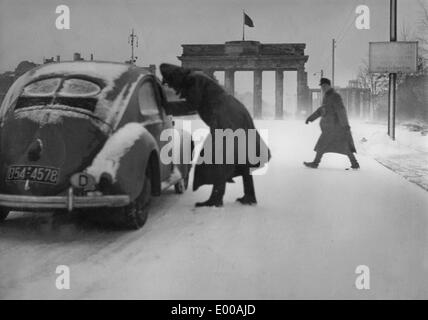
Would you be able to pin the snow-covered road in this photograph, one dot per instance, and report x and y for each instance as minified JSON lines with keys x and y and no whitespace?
{"x":304,"y":239}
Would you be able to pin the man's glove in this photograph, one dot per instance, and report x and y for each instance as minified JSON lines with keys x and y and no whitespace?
{"x":307,"y":121}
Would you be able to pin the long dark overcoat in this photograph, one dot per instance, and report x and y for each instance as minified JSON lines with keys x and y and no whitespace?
{"x":335,"y":131}
{"x":219,"y":110}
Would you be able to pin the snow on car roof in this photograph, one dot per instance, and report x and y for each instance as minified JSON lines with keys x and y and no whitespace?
{"x":119,"y":81}
{"x":103,"y":70}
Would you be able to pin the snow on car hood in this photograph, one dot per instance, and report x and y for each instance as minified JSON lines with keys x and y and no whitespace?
{"x":119,"y":83}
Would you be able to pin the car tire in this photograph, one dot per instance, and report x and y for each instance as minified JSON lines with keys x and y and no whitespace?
{"x":3,"y":214}
{"x":137,"y":211}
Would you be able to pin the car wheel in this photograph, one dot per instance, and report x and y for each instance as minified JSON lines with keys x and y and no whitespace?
{"x":137,"y":211}
{"x":3,"y":214}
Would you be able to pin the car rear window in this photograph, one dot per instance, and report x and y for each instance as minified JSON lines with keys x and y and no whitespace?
{"x":76,"y":93}
{"x":79,"y":87}
{"x":43,"y":87}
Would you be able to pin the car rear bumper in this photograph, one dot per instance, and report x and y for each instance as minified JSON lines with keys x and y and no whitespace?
{"x":68,"y":202}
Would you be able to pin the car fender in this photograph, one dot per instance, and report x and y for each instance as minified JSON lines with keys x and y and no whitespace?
{"x":125,"y":157}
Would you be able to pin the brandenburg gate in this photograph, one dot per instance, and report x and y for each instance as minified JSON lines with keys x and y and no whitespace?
{"x":257,"y":57}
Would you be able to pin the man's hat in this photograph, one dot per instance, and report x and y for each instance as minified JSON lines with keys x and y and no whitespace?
{"x":325,"y":81}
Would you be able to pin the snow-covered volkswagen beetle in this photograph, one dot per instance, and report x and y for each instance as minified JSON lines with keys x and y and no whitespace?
{"x":78,"y":135}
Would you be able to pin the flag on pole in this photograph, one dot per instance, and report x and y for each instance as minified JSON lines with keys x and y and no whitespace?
{"x":248,"y":21}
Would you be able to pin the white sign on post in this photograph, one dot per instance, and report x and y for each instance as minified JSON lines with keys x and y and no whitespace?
{"x":393,"y":57}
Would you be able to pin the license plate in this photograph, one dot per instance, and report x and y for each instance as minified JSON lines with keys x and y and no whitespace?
{"x":33,"y":173}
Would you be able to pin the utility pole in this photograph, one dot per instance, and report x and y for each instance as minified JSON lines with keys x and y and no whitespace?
{"x":133,"y":37}
{"x":392,"y":76}
{"x":333,"y":46}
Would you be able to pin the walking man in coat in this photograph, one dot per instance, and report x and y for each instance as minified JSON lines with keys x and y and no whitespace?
{"x":335,"y":130}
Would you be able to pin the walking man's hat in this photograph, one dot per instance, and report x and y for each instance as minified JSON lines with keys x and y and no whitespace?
{"x":325,"y":81}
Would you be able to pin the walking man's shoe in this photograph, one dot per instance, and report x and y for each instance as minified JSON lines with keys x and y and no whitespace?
{"x":355,"y":166}
{"x":312,"y":165}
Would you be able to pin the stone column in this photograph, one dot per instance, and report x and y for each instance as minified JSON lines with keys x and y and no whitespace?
{"x":302,"y":92}
{"x":229,"y":81}
{"x":279,"y":94}
{"x":257,"y":94}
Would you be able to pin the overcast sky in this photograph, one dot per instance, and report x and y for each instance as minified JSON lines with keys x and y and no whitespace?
{"x":27,"y":29}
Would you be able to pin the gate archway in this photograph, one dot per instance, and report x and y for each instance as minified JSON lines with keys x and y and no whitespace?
{"x":256,"y":57}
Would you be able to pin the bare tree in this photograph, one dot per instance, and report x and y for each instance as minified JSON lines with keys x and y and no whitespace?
{"x":376,"y":82}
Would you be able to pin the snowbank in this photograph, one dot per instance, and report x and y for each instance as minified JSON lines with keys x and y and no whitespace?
{"x":406,"y":156}
{"x":373,"y":140}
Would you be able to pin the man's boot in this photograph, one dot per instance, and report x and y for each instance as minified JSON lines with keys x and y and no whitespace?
{"x":355,"y":166}
{"x":216,"y":197}
{"x":314,"y":164}
{"x":354,"y":163}
{"x":249,"y":192}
